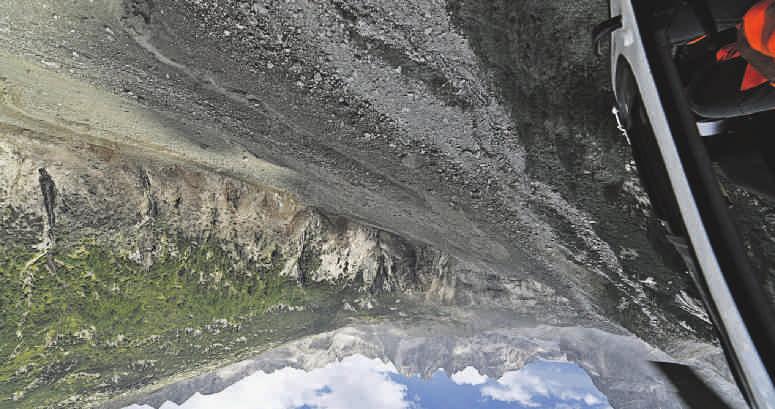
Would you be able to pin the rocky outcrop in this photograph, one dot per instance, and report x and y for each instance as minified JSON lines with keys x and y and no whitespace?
{"x":131,"y":203}
{"x":48,"y":190}
{"x":134,"y":204}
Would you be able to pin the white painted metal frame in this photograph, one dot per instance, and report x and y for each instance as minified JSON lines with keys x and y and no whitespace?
{"x":627,"y":42}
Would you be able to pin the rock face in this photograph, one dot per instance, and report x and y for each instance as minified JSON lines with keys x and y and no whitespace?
{"x":133,"y":204}
{"x":124,"y":202}
{"x":621,"y":370}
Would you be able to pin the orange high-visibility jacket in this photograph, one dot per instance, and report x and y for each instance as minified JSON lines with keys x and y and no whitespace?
{"x":756,"y":42}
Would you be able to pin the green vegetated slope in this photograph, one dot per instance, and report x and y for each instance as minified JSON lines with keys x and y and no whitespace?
{"x":83,"y":319}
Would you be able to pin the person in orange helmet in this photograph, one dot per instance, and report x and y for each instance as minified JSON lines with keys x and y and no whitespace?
{"x":743,"y":80}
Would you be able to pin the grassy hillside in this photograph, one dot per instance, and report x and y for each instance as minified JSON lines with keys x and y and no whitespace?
{"x":84,"y":319}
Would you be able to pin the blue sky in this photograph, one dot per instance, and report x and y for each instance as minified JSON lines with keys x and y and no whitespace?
{"x":360,"y":382}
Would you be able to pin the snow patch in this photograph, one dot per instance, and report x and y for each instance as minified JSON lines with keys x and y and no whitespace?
{"x":692,"y":306}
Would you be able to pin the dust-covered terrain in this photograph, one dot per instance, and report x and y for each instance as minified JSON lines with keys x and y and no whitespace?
{"x":310,"y":162}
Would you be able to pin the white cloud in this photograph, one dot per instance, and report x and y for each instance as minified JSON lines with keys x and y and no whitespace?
{"x":517,"y":386}
{"x":468,"y":376}
{"x":558,"y":382}
{"x":591,"y":399}
{"x":354,"y":383}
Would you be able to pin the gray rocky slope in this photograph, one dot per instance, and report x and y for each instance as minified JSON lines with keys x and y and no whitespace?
{"x":457,"y":153}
